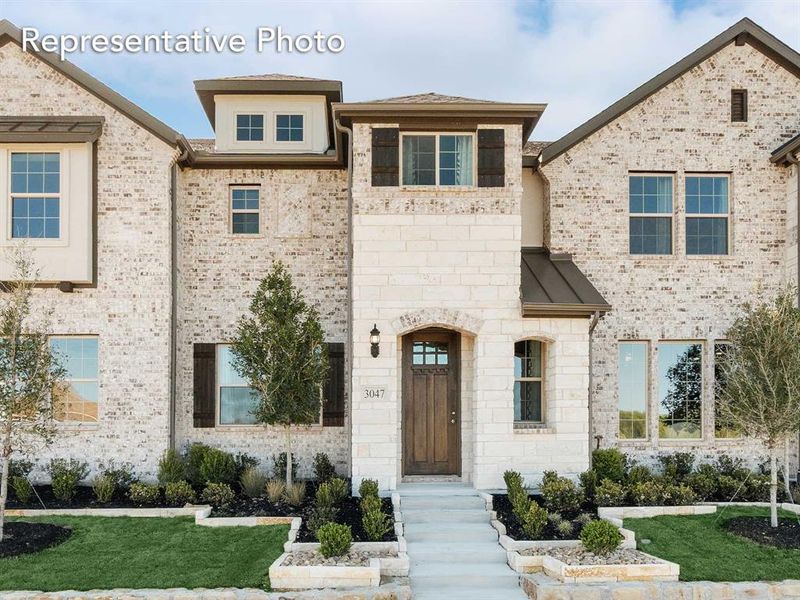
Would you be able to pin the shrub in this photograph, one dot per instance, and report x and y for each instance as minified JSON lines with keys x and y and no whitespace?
{"x":20,"y":467}
{"x":646,"y":493}
{"x":370,"y":503}
{"x":144,"y":494}
{"x":609,"y":464}
{"x":195,"y":455}
{"x":323,"y":468}
{"x":321,"y":515}
{"x":275,"y":490}
{"x":565,"y":528}
{"x":728,"y":488}
{"x":218,"y":494}
{"x":171,"y":467}
{"x":179,"y":493}
{"x":218,"y":466}
{"x":678,"y":495}
{"x":727,"y":465}
{"x":65,"y":477}
{"x":376,"y":524}
{"x":334,"y":539}
{"x":513,"y":479}
{"x":104,"y":488}
{"x":638,"y":474}
{"x":609,"y":493}
{"x":121,"y":475}
{"x":279,"y":466}
{"x":560,"y":493}
{"x":368,"y":487}
{"x":584,"y":519}
{"x":600,"y":537}
{"x":588,"y":481}
{"x":703,"y":482}
{"x":676,"y":466}
{"x":533,"y":520}
{"x":324,"y":497}
{"x":549,"y":477}
{"x":244,"y":461}
{"x":295,"y":493}
{"x":23,"y":489}
{"x":253,"y":482}
{"x":339,"y":489}
{"x":756,"y":489}
{"x":517,"y":495}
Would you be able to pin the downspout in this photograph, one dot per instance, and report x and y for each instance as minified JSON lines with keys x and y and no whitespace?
{"x":592,"y":325}
{"x":348,"y":351}
{"x":796,"y":162}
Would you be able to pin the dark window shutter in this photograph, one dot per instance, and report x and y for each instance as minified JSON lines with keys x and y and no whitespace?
{"x":333,"y":404}
{"x":738,"y":106}
{"x":491,"y":158}
{"x":205,"y":392}
{"x":385,"y":156}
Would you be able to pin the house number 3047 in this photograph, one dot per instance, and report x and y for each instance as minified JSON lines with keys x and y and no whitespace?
{"x":373,"y":393}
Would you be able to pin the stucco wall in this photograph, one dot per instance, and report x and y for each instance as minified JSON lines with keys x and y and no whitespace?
{"x":684,"y":127}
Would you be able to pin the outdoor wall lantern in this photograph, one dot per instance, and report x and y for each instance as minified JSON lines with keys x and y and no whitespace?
{"x":375,"y":341}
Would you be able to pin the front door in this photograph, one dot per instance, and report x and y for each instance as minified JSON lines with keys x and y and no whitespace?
{"x":431,"y":414}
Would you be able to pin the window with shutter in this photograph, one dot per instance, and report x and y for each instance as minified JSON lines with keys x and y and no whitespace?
{"x":204,"y":385}
{"x":333,"y":403}
{"x":385,"y":156}
{"x":491,"y":158}
{"x":738,"y":106}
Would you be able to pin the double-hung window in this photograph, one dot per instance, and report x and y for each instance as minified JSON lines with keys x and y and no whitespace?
{"x":76,"y":396}
{"x":680,"y":389}
{"x":528,"y":381}
{"x":245,"y":210}
{"x":438,"y":159}
{"x":249,"y":128}
{"x":289,"y":128}
{"x":36,"y":195}
{"x":633,"y":364}
{"x":707,"y":214}
{"x":650,"y":206}
{"x":237,"y":401}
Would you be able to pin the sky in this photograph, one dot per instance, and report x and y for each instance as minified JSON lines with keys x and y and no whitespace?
{"x":578,"y":57}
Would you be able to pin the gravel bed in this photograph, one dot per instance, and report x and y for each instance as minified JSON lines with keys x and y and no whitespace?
{"x":581,"y":556}
{"x":351,"y":559}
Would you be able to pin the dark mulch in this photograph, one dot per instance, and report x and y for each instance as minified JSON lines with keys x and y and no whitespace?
{"x":20,"y":537}
{"x":349,"y":514}
{"x":505,"y":515}
{"x":84,"y":498}
{"x":785,"y":536}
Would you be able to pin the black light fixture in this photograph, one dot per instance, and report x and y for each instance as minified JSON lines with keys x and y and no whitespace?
{"x":375,"y":341}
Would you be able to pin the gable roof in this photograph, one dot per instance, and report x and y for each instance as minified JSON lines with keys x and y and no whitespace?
{"x":10,"y":33}
{"x":781,"y":154}
{"x":743,"y":32}
{"x":429,"y":98}
{"x":270,"y":77}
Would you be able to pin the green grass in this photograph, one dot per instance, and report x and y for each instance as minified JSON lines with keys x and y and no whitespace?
{"x":706,"y":552}
{"x":126,"y":552}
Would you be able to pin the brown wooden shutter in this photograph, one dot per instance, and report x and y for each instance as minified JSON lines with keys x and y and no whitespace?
{"x":333,"y":404}
{"x":205,"y":385}
{"x":738,"y":106}
{"x":491,"y":158}
{"x":385,"y":156}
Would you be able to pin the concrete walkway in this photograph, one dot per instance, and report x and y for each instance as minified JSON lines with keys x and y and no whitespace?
{"x":452,"y":548}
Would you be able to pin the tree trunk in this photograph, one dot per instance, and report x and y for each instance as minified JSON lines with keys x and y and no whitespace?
{"x":288,"y":457}
{"x":6,"y":459}
{"x":773,"y":487}
{"x":787,"y":485}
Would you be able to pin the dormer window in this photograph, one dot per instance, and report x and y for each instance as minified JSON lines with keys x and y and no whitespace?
{"x":289,"y":128}
{"x":249,"y":128}
{"x":437,"y":159}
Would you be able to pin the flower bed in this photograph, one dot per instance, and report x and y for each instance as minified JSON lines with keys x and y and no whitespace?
{"x":502,"y":506}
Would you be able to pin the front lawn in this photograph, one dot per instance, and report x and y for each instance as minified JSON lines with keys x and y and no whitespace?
{"x":139,"y":552}
{"x":706,"y":552}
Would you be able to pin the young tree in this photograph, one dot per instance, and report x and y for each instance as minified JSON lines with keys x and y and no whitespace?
{"x":29,"y":372}
{"x":279,"y":350}
{"x":760,"y":395}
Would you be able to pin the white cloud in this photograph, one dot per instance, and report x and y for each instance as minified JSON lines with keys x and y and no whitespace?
{"x":578,"y":57}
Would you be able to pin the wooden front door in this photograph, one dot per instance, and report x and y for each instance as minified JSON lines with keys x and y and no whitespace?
{"x":431,"y":411}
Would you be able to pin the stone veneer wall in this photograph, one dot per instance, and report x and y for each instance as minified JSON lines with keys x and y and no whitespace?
{"x":129,"y":308}
{"x":304,"y":224}
{"x":683,"y":127}
{"x":451,"y":257}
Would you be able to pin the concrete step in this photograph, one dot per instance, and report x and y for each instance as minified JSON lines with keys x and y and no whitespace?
{"x":446,"y":583}
{"x":462,"y":592}
{"x":448,"y":532}
{"x":467,"y":515}
{"x":436,"y":489}
{"x":454,"y":568}
{"x":441,"y":502}
{"x":447,"y":553}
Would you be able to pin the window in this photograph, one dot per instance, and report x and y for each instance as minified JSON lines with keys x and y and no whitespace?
{"x":633,"y":390}
{"x":707,"y":202}
{"x":722,"y":428}
{"x":237,"y":401}
{"x":35,"y":195}
{"x":438,"y":160}
{"x":650,"y":200}
{"x":244,"y":210}
{"x":738,"y":106}
{"x":680,"y":388}
{"x":429,"y":353}
{"x":76,"y":397}
{"x":289,"y":128}
{"x":249,"y":128}
{"x":528,"y":369}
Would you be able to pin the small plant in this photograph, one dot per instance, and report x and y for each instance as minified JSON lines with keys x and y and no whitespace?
{"x":560,"y":493}
{"x":218,"y":494}
{"x":678,"y":495}
{"x":144,"y":494}
{"x":533,"y":520}
{"x":23,"y":489}
{"x":728,"y":488}
{"x":646,"y":493}
{"x":730,"y":466}
{"x":171,"y":467}
{"x":275,"y":489}
{"x":554,"y":518}
{"x":295,"y":493}
{"x":179,"y":493}
{"x":588,"y":481}
{"x":253,"y":482}
{"x":121,"y":475}
{"x":375,"y":522}
{"x":609,"y":493}
{"x":65,"y":477}
{"x":584,"y":519}
{"x":549,"y":476}
{"x":600,"y":537}
{"x":703,"y":482}
{"x":279,"y":466}
{"x":321,"y":515}
{"x":218,"y":466}
{"x":20,"y":467}
{"x":513,"y":479}
{"x":104,"y":488}
{"x":339,"y":489}
{"x":517,"y":495}
{"x":323,"y":468}
{"x":676,"y":466}
{"x":334,"y":539}
{"x":565,"y":528}
{"x":368,"y":487}
{"x":243,"y":462}
{"x":638,"y":474}
{"x":609,"y":464}
{"x":324,"y":496}
{"x":195,"y":455}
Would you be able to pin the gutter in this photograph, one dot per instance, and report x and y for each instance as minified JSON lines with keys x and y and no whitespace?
{"x":592,"y":324}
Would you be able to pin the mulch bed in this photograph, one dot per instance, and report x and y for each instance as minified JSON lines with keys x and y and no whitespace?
{"x":20,"y":537}
{"x":84,"y":498}
{"x":757,"y":529}
{"x":505,"y":515}
{"x":349,"y":514}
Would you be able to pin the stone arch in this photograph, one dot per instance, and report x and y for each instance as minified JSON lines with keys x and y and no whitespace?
{"x":437,"y":316}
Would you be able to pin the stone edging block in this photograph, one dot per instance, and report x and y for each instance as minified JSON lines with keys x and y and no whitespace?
{"x":308,"y":577}
{"x":657,"y":570}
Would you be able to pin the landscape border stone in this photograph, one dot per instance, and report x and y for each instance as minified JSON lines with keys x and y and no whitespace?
{"x":657,"y":570}
{"x":313,"y":576}
{"x":184,"y":511}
